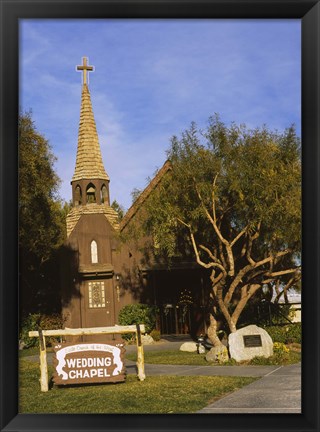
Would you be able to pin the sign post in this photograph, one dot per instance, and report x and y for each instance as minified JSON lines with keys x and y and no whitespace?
{"x":140,"y":355}
{"x":43,"y":362}
{"x":88,"y":362}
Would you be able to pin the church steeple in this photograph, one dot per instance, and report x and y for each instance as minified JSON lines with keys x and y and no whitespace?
{"x":90,"y":182}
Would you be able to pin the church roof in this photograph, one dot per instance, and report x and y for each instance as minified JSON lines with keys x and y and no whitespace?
{"x":76,"y":212}
{"x":89,"y":163}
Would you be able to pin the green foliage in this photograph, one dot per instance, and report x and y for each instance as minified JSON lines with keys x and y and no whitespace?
{"x":118,"y":208}
{"x":264,"y":313}
{"x":175,"y":357}
{"x":138,"y":314}
{"x":31,"y":322}
{"x":279,"y":313}
{"x":294,"y":333}
{"x":259,"y":361}
{"x":290,"y":333}
{"x":223,"y":356}
{"x":155,"y":395}
{"x":135,"y":194}
{"x":280,"y":351}
{"x":42,"y":226}
{"x":155,"y":334}
{"x":36,"y":321}
{"x":282,"y":356}
{"x":257,"y":175}
{"x":231,"y":201}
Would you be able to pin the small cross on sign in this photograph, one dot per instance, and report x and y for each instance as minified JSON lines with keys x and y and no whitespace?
{"x":85,"y":67}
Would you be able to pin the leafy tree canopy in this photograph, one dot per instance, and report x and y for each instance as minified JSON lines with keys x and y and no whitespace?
{"x":235,"y":195}
{"x":41,"y":215}
{"x":118,"y":208}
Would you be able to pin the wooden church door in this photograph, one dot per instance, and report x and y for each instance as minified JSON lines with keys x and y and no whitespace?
{"x":98,"y":303}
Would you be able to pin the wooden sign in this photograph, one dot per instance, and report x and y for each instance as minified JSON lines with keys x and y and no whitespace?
{"x":88,"y":363}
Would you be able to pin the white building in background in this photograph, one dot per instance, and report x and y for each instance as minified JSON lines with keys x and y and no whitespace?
{"x":295,"y":308}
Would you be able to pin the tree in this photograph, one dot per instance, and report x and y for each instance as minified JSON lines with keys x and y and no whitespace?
{"x":41,"y":220}
{"x":234,"y":195}
{"x":118,"y":208}
{"x":135,"y":194}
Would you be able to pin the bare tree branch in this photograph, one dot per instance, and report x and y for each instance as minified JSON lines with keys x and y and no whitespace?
{"x":218,"y":232}
{"x":245,"y":270}
{"x":211,"y":255}
{"x":239,"y":236}
{"x":282,"y":272}
{"x":245,"y":297}
{"x":251,"y":239}
{"x":213,"y":198}
{"x":196,"y":251}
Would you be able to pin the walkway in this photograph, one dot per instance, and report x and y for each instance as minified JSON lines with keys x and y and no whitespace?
{"x":278,"y":390}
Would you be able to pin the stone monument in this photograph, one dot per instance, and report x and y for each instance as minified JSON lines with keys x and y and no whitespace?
{"x":248,"y":342}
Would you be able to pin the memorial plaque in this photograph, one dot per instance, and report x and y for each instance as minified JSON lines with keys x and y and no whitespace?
{"x":251,"y":341}
{"x":88,"y":363}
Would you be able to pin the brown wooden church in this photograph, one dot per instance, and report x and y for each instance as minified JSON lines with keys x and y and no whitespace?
{"x":100,"y":273}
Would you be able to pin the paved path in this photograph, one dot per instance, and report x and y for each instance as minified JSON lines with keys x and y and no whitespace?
{"x":243,"y":371}
{"x":278,"y":390}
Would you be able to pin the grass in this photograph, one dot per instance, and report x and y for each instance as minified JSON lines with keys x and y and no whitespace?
{"x":187,"y":358}
{"x":31,"y":351}
{"x":155,"y":395}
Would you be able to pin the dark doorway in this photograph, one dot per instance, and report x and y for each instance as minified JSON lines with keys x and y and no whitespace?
{"x":175,"y":319}
{"x":180,"y":297}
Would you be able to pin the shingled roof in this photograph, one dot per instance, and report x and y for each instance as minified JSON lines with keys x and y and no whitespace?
{"x":76,"y":212}
{"x":89,"y":163}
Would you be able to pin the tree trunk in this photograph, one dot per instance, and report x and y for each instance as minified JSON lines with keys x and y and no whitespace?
{"x":212,"y":332}
{"x":245,"y":297}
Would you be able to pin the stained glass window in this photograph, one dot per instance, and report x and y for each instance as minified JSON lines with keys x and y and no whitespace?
{"x":96,"y":295}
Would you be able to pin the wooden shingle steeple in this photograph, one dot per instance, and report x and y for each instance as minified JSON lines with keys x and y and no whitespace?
{"x":90,"y":181}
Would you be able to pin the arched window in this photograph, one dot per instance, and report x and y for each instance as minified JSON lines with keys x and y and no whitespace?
{"x":94,"y":252}
{"x":91,"y":193}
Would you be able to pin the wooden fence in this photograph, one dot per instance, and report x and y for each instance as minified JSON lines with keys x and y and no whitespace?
{"x":137,"y":329}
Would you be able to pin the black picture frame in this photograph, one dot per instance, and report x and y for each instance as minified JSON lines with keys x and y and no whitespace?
{"x":309,"y":13}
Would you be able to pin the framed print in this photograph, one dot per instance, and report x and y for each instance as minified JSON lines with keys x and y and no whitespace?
{"x":102,"y":94}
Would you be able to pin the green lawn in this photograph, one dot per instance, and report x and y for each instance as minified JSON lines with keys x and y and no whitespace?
{"x":157,"y":394}
{"x":32,"y":351}
{"x":187,"y":358}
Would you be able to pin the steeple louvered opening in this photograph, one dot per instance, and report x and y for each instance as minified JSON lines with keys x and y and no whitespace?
{"x":91,"y":194}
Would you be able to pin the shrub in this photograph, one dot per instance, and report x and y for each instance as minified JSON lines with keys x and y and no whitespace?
{"x":155,"y":334}
{"x":260,"y":361}
{"x":138,"y":314}
{"x":33,"y":322}
{"x":29,"y":323}
{"x":290,"y":333}
{"x":294,"y":333}
{"x":277,"y":333}
{"x":280,"y":352}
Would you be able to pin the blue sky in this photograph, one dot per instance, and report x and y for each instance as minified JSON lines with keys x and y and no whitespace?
{"x":152,"y":79}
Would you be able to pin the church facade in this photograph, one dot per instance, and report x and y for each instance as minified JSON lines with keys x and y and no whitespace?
{"x":101,"y":273}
